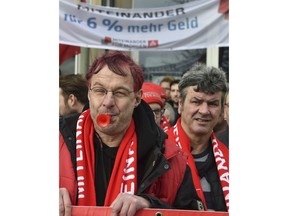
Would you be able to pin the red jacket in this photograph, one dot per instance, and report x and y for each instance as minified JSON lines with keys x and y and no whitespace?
{"x":67,"y":177}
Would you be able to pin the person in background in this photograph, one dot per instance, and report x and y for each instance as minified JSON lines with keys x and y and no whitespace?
{"x":165,"y":83}
{"x":152,"y":97}
{"x":224,"y":136}
{"x":174,"y":98}
{"x":73,"y":99}
{"x":117,"y":155}
{"x":165,"y":124}
{"x":202,"y":97}
{"x":169,"y":114}
{"x":226,"y":109}
{"x":73,"y":93}
{"x":221,"y":125}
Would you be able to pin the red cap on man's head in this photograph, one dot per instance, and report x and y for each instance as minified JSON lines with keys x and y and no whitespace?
{"x":151,"y":93}
{"x":158,"y":89}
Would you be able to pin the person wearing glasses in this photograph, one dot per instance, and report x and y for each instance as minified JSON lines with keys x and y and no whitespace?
{"x":116,"y":155}
{"x":202,"y":98}
{"x":152,"y":96}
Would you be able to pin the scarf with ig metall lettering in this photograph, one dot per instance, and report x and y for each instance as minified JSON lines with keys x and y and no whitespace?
{"x":124,"y":174}
{"x":221,"y":155}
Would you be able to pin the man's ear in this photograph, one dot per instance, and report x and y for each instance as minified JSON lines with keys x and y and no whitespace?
{"x":72,"y":100}
{"x":138,"y":97}
{"x":88,"y":96}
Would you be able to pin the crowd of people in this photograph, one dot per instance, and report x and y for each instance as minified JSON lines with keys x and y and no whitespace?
{"x":160,"y":146}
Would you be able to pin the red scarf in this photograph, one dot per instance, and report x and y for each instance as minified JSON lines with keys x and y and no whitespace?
{"x":221,"y":154}
{"x":164,"y":123}
{"x":124,"y":174}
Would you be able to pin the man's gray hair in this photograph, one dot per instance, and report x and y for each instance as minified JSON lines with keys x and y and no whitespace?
{"x":208,"y":80}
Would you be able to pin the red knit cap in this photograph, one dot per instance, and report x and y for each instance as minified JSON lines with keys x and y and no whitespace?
{"x":151,"y":93}
{"x":159,"y":89}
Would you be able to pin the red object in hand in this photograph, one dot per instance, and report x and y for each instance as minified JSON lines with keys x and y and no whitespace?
{"x":103,"y":120}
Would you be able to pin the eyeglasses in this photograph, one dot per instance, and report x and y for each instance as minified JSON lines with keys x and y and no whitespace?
{"x":158,"y":112}
{"x":119,"y":93}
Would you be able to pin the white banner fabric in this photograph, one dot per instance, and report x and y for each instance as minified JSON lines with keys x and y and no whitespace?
{"x":193,"y":25}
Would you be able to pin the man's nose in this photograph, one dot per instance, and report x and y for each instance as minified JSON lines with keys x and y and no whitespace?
{"x":109,"y":100}
{"x":204,"y":108}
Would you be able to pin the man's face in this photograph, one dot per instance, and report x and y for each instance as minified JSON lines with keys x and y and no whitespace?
{"x":166,"y":86}
{"x":200,"y":112}
{"x":120,"y":104}
{"x":157,"y":110}
{"x":174,"y":93}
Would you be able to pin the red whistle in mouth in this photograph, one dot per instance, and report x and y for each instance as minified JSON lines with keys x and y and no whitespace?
{"x":103,"y":120}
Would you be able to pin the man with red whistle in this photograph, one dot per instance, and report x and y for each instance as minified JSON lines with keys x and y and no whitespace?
{"x":114,"y":154}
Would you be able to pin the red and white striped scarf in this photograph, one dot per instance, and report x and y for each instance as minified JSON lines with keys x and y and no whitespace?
{"x":221,"y":154}
{"x":164,"y":123}
{"x":124,"y":174}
